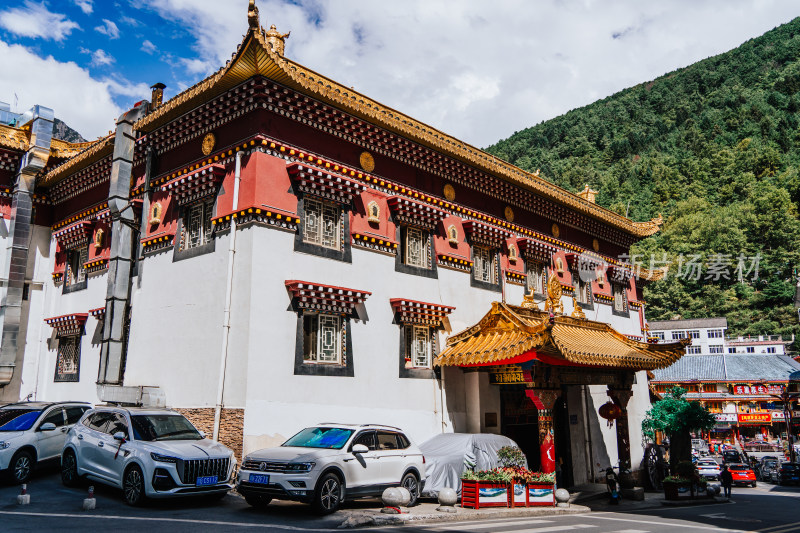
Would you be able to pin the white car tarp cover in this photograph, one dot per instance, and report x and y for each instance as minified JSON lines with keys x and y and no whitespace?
{"x":447,"y":456}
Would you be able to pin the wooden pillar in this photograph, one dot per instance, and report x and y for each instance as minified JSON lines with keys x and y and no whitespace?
{"x":621,"y":398}
{"x":544,"y":400}
{"x":473,"y":399}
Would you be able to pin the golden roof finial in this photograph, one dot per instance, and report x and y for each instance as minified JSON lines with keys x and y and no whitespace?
{"x":276,"y":40}
{"x":588,"y":194}
{"x":528,"y":302}
{"x":252,"y":15}
{"x":553,"y":301}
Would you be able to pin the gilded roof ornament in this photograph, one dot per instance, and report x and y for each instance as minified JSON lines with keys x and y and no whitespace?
{"x":276,"y":40}
{"x":252,"y":15}
{"x":577,"y":311}
{"x":553,"y":301}
{"x":528,"y":301}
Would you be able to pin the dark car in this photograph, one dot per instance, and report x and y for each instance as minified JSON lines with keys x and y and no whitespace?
{"x":788,"y":473}
{"x":731,"y":456}
{"x":765,"y":467}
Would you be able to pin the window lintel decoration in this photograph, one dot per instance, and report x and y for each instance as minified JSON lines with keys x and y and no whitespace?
{"x":414,"y":213}
{"x":66,"y":325}
{"x":373,"y":213}
{"x":196,"y":184}
{"x":486,"y":234}
{"x":536,"y":249}
{"x":452,"y":234}
{"x":99,"y":313}
{"x":75,"y":235}
{"x":325,"y":298}
{"x":423,"y":313}
{"x":324,"y":183}
{"x":156,"y":210}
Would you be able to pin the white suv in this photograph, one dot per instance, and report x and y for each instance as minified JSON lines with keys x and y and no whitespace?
{"x":34,"y":432}
{"x":325,"y":464}
{"x":148,"y":453}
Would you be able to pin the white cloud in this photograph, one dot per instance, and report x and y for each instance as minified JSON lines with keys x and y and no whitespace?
{"x":108,"y":28}
{"x":101,"y":58}
{"x":85,"y":5}
{"x":35,"y":20}
{"x":148,"y":47}
{"x":85,"y":103}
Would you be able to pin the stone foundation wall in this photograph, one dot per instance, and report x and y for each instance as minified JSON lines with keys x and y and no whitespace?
{"x":230,"y":427}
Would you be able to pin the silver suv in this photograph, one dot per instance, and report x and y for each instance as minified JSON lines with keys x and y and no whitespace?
{"x":148,"y":453}
{"x":326,"y":464}
{"x":34,"y":432}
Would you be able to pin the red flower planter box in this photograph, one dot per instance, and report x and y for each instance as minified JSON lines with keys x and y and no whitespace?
{"x":480,"y":494}
{"x":541,"y":494}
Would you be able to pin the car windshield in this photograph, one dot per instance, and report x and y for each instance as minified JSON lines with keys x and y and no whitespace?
{"x":163,"y":427}
{"x":18,"y":419}
{"x":331,"y":438}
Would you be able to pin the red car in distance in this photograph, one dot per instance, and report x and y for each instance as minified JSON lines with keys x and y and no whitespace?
{"x":742,"y":474}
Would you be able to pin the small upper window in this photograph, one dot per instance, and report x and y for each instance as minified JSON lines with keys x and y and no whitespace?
{"x":581,"y":288}
{"x":485,"y":264}
{"x":619,"y":298}
{"x":197,"y":227}
{"x":417,"y":247}
{"x":322,"y":223}
{"x":76,"y":258}
{"x":536,"y":277}
{"x":322,"y":338}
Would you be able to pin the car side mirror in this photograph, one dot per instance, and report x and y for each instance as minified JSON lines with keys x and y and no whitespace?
{"x":360,"y":448}
{"x":120,"y":436}
{"x":202,"y":433}
{"x":47,"y":426}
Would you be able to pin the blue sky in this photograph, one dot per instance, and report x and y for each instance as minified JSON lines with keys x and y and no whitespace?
{"x":475,"y":69}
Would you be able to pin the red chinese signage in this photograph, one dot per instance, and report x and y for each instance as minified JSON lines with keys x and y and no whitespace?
{"x":755,"y":418}
{"x":748,"y":390}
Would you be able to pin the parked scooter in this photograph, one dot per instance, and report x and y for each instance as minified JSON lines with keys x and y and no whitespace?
{"x":612,"y":484}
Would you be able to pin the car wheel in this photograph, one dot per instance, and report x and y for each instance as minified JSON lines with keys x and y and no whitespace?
{"x":411,"y":483}
{"x":328,"y":496}
{"x":256,"y":500}
{"x":754,"y":484}
{"x":133,"y":486}
{"x":69,"y":469}
{"x":21,"y":467}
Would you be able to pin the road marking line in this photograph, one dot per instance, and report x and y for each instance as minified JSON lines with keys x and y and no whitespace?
{"x":633,"y":531}
{"x":486,"y":525}
{"x":154,"y":519}
{"x":786,"y":528}
{"x":656,"y":523}
{"x":780,"y":526}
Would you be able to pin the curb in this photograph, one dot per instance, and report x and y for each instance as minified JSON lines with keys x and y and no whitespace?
{"x":689,"y":503}
{"x":461,"y":515}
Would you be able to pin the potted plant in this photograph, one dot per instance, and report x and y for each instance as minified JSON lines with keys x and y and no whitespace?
{"x":686,"y":483}
{"x":541,"y":489}
{"x":513,"y":461}
{"x":486,"y":488}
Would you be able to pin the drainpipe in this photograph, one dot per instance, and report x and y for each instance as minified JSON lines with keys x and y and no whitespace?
{"x":16,"y":261}
{"x":113,"y":349}
{"x":226,"y":315}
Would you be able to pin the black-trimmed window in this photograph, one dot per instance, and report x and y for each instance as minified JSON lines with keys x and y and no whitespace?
{"x":583,"y":290}
{"x":322,"y":223}
{"x":322,"y":339}
{"x":68,"y":360}
{"x":75,"y":271}
{"x":536,"y":277}
{"x":484,"y":266}
{"x":416,"y":250}
{"x":419,"y":346}
{"x":196,"y":227}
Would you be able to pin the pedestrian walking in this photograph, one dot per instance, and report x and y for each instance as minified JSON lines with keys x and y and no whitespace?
{"x":726,"y":478}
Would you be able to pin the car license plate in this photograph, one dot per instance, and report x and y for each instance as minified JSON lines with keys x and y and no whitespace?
{"x":259,"y":478}
{"x":206,"y":480}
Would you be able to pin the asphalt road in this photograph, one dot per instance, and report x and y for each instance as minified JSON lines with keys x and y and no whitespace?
{"x":767,"y":509}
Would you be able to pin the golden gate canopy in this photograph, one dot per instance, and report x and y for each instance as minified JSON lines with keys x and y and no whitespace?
{"x":511,"y":334}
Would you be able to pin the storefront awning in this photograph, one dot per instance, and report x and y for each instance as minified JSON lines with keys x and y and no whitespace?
{"x":511,"y":334}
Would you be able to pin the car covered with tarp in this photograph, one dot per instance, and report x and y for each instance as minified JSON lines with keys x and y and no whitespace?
{"x":449,"y":455}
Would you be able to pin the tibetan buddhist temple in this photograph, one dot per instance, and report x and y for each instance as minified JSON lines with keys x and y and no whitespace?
{"x":270,"y":249}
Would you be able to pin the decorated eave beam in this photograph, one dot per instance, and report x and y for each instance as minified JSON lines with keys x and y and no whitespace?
{"x":325,"y":298}
{"x":536,"y":249}
{"x":99,"y":313}
{"x":415,"y":213}
{"x":511,"y":335}
{"x":66,"y":325}
{"x":74,"y":235}
{"x":195,"y":184}
{"x":486,"y":234}
{"x":421,"y":313}
{"x":325,"y":183}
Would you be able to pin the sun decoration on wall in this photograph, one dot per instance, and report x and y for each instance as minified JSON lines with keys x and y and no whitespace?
{"x":449,"y":193}
{"x":373,"y":212}
{"x":555,"y":230}
{"x":452,"y":234}
{"x":595,"y":245}
{"x":209,"y":141}
{"x":366,"y":161}
{"x":509,"y":213}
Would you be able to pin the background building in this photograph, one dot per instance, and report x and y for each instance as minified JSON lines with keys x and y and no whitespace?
{"x":708,"y":337}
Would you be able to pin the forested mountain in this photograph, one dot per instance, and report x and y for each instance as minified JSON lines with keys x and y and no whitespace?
{"x":715,"y":148}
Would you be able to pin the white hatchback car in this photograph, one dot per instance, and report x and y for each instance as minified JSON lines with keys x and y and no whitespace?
{"x":34,"y":432}
{"x":148,"y":453}
{"x":326,"y":464}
